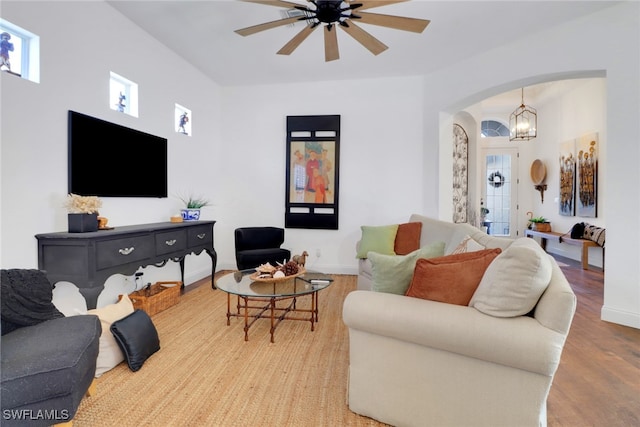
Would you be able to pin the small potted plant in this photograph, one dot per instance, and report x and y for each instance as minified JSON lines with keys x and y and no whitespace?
{"x":192,"y":206}
{"x":540,"y":223}
{"x":83,"y":213}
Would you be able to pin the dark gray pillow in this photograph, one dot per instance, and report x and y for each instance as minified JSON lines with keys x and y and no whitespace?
{"x":137,"y":337}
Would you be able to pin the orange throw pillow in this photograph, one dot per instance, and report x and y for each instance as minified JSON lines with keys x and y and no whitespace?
{"x":408,"y":238}
{"x":452,"y":279}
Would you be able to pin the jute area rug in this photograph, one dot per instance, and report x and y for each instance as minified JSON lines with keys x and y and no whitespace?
{"x":205,"y":374}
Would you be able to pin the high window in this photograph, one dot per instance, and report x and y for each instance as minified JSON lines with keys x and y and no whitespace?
{"x":489,"y":128}
{"x":183,"y":120}
{"x":19,"y":51}
{"x":123,"y":95}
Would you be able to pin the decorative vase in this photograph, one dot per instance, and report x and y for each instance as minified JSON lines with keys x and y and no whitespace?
{"x":190,"y":214}
{"x":83,"y":222}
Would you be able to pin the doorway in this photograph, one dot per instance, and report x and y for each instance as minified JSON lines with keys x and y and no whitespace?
{"x":499,"y":191}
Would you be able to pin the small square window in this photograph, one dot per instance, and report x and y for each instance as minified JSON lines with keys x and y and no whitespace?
{"x":183,"y":120}
{"x":19,"y":51}
{"x":123,"y":95}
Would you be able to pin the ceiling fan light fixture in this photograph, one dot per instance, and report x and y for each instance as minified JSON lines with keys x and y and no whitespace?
{"x":335,"y":13}
{"x":523,"y":122}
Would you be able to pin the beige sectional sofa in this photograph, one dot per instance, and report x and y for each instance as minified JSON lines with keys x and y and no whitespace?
{"x":417,"y":362}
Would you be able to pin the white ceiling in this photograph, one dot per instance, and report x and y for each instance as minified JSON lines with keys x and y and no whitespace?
{"x":202,"y":32}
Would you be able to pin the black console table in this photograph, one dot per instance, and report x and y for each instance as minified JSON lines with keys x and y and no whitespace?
{"x":88,"y":259}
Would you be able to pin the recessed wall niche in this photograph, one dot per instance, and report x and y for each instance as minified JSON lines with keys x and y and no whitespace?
{"x":183,"y":120}
{"x":123,"y":95}
{"x":19,"y":51}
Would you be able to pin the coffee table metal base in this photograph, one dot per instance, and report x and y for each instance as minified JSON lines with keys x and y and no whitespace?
{"x":253,"y":308}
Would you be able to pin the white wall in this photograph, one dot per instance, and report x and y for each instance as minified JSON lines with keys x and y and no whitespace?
{"x":580,"y":111}
{"x":76,"y":58}
{"x":240,"y":165}
{"x":395,"y":134}
{"x":574,"y":49}
{"x":380,"y":170}
{"x":566,"y":110}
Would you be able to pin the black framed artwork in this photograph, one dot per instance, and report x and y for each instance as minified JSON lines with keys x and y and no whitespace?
{"x":312,"y":175}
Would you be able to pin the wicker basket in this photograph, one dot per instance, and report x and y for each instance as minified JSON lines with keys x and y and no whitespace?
{"x":541,"y":226}
{"x":157,"y":298}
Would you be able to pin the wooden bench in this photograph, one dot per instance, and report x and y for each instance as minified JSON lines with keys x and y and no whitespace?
{"x":564,"y":238}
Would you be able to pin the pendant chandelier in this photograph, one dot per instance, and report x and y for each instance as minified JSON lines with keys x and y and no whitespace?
{"x":523,"y":123}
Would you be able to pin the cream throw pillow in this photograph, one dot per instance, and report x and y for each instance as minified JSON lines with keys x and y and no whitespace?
{"x":393,"y":273}
{"x":110,"y":355}
{"x":514,"y":282}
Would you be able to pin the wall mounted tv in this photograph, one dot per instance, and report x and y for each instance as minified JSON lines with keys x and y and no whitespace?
{"x":109,"y":160}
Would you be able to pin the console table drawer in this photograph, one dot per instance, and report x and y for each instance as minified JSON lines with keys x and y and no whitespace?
{"x":171,"y":241}
{"x":200,"y":235}
{"x":110,"y":253}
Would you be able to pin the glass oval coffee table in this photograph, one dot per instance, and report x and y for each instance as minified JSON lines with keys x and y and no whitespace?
{"x":274,"y":300}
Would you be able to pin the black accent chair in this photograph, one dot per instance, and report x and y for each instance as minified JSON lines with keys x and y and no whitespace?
{"x":259,"y":245}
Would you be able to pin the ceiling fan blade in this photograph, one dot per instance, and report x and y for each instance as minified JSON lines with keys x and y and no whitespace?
{"x":414,"y":25}
{"x":331,"y":52}
{"x":368,"y":4}
{"x":288,"y":48}
{"x":266,"y":26}
{"x":374,"y":45}
{"x":276,"y":3}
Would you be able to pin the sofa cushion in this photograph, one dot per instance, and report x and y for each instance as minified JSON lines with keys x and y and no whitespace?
{"x":467,"y":245}
{"x":137,"y":337}
{"x":452,"y":278}
{"x":110,"y":354}
{"x":407,"y":238}
{"x":515,"y":280}
{"x":253,"y":258}
{"x":380,"y":239}
{"x":393,"y":273}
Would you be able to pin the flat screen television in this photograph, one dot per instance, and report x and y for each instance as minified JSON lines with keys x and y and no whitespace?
{"x":109,"y":160}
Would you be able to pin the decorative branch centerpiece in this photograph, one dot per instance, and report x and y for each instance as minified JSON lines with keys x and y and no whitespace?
{"x":270,"y":273}
{"x":83,"y":213}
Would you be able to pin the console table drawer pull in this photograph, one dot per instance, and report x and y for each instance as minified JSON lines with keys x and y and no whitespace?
{"x":126,"y":251}
{"x":170,"y":242}
{"x":202,"y":236}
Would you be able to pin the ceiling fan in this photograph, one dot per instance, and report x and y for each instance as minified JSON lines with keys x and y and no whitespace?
{"x":333,"y":14}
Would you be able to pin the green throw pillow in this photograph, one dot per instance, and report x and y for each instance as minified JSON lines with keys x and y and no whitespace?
{"x":380,"y":239}
{"x":393,"y":273}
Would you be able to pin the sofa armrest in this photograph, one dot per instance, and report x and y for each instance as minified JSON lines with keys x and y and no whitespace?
{"x":520,"y":342}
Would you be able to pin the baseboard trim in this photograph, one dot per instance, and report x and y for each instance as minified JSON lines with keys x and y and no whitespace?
{"x":624,"y":318}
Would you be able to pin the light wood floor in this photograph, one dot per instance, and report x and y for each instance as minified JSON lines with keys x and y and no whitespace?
{"x":598,"y":381}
